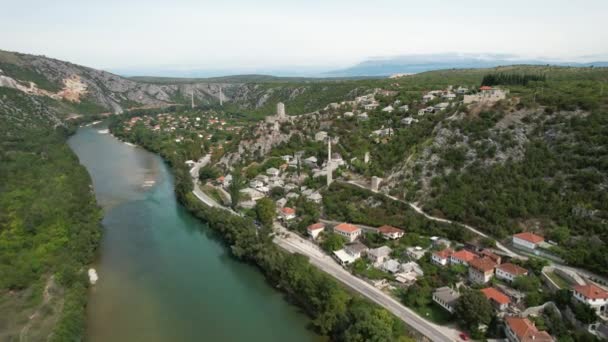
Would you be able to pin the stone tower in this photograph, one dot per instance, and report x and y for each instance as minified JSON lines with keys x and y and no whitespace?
{"x":329,"y":163}
{"x":280,"y":110}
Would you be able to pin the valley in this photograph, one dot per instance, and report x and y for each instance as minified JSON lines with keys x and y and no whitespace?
{"x":455,"y":165}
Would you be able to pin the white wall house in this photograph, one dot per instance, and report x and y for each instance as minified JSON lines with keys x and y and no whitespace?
{"x":349,"y":231}
{"x":441,"y":258}
{"x":593,"y":295}
{"x":510,"y":271}
{"x":527,"y":240}
{"x":315,"y":229}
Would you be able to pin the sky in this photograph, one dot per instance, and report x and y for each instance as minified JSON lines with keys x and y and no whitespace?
{"x":266,"y":34}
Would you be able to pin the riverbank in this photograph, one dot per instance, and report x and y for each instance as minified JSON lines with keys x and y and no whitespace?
{"x":163,"y":274}
{"x":335,"y":311}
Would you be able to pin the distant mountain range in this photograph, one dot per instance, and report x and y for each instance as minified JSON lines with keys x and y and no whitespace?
{"x":386,"y":66}
{"x":373,"y":67}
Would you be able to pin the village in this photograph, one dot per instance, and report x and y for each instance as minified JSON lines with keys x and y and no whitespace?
{"x":429,"y":274}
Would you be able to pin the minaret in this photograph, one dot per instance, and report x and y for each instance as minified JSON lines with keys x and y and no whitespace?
{"x":221,"y":102}
{"x":192,"y":98}
{"x":329,"y":163}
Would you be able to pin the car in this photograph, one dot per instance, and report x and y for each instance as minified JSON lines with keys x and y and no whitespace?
{"x":464,"y":336}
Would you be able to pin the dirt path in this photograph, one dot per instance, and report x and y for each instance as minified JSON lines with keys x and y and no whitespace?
{"x":46,"y":299}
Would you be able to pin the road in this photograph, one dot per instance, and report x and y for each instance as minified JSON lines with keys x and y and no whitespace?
{"x":584,"y":273}
{"x":295,"y":244}
{"x":200,"y":194}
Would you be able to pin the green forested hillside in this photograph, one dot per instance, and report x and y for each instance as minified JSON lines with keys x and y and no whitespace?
{"x":49,"y":223}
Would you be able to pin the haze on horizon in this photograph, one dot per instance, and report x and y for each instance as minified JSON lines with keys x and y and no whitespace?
{"x":266,"y":34}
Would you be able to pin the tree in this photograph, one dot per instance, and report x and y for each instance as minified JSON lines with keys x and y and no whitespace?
{"x":265,"y":211}
{"x":527,"y":283}
{"x":208,"y":172}
{"x":584,"y":313}
{"x":332,"y":242}
{"x":370,"y":324}
{"x":238,"y":182}
{"x":473,"y":309}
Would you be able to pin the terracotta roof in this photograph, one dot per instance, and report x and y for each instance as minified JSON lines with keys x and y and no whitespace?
{"x":288,"y":211}
{"x":482,"y":264}
{"x":464,"y":255}
{"x":530,"y":237}
{"x":220,"y":178}
{"x":526,"y":331}
{"x":444,"y":254}
{"x":495,"y":295}
{"x":591,"y":291}
{"x":488,"y":253}
{"x":389,"y":229}
{"x":346,"y":227}
{"x":512,"y":269}
{"x":485,"y":88}
{"x":316,"y":226}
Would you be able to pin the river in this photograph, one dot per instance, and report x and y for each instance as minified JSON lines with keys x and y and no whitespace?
{"x":163,"y":276}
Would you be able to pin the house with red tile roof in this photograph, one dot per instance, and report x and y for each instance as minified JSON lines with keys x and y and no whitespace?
{"x":520,"y":329}
{"x":481,"y":270}
{"x":527,"y":240}
{"x":315,"y":229}
{"x":349,"y":231}
{"x":498,"y":299}
{"x":442,"y":258}
{"x":593,"y":295}
{"x":390,"y":232}
{"x":489,"y":254}
{"x":462,"y":257}
{"x":509,"y":271}
{"x":287,"y":213}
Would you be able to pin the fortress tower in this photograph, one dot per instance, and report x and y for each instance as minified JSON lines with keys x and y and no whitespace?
{"x":281,"y":110}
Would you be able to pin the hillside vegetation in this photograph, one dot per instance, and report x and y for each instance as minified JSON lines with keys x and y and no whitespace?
{"x":49,"y":224}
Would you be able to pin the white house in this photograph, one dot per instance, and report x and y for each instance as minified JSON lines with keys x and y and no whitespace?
{"x":481,"y":270}
{"x":315,"y":229}
{"x":378,"y":255}
{"x":446,"y":297}
{"x":363,"y":116}
{"x":356,"y":249}
{"x":441,"y":106}
{"x":462,"y":257}
{"x":593,"y":295}
{"x":315,"y":197}
{"x":408,"y":121}
{"x":287,"y":213}
{"x":371,"y":106}
{"x":442,"y":258}
{"x":349,"y":231}
{"x":415,"y":252}
{"x":349,"y":114}
{"x":527,"y":240}
{"x":404,"y":108}
{"x":428,"y":97}
{"x":391,"y":266}
{"x":388,"y":109}
{"x":390,"y":232}
{"x":509,"y":272}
